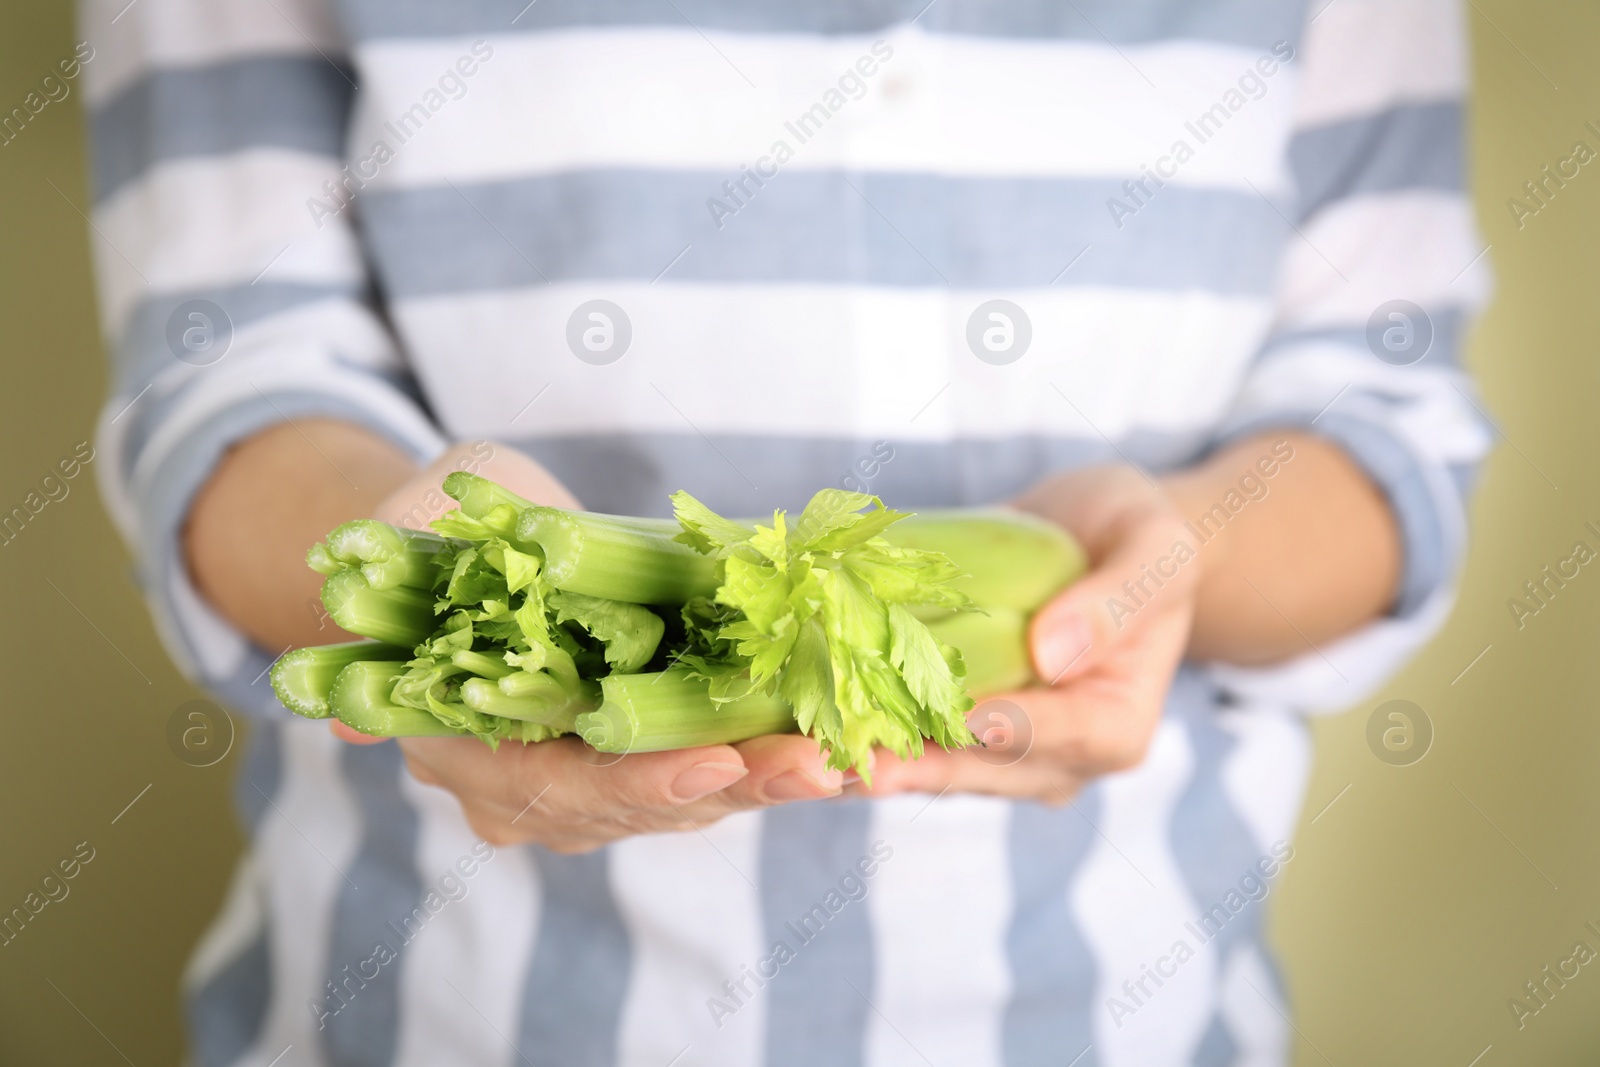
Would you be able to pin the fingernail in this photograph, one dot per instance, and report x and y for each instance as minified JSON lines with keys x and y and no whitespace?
{"x":851,"y":778}
{"x":705,"y":778}
{"x":798,"y":785}
{"x":1062,"y":646}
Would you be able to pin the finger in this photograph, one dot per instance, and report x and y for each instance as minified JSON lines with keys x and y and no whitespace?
{"x":571,"y":780}
{"x":940,"y":773}
{"x":1038,"y":742}
{"x":352,"y":736}
{"x":1097,"y":726}
{"x":783,"y":768}
{"x":1150,"y":565}
{"x":650,"y":782}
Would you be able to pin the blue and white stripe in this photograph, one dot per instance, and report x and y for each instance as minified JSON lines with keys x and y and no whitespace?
{"x":566,"y":151}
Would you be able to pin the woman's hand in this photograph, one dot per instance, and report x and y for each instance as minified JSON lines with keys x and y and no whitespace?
{"x":563,"y":794}
{"x":1108,"y":666}
{"x":1299,"y":548}
{"x":566,"y":796}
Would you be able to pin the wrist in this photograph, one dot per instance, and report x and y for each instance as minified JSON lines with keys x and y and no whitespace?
{"x":1193,"y":495}
{"x":270,"y":497}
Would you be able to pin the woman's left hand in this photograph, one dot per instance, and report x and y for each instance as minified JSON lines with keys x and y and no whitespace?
{"x":1108,"y":667}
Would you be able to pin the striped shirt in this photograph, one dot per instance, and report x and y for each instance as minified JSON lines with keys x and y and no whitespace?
{"x":750,"y":249}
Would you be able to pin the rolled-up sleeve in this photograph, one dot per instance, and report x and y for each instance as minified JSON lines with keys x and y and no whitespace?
{"x":1374,"y":294}
{"x":233,"y":293}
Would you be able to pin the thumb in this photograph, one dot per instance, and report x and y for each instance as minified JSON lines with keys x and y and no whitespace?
{"x":1149,"y":565}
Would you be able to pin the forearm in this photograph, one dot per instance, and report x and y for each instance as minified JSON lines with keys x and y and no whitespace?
{"x":269,"y":499}
{"x":1311,"y":553}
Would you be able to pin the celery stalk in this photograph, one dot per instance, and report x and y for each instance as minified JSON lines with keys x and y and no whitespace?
{"x":387,"y":556}
{"x":482,"y":664}
{"x":398,"y":616}
{"x":549,"y":707}
{"x":993,"y":646}
{"x":360,"y":700}
{"x":479,"y":496}
{"x":615,"y":558}
{"x":673,"y":709}
{"x":534,"y":683}
{"x":1010,"y":559}
{"x":526,"y":683}
{"x":303,"y":679}
{"x":319,"y":559}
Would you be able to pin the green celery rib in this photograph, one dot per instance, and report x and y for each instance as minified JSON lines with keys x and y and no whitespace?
{"x":534,"y":683}
{"x":303,"y":679}
{"x":552,"y":661}
{"x":525,"y":683}
{"x":482,"y":664}
{"x":319,"y":559}
{"x":360,"y":700}
{"x":994,"y":646}
{"x":1012,"y":559}
{"x":673,"y":709}
{"x":632,"y":560}
{"x":551,"y":707}
{"x":388,"y":556}
{"x":479,"y":496}
{"x":399,"y":616}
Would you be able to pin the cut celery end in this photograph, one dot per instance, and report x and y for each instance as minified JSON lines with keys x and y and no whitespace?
{"x":673,"y":709}
{"x":360,"y":700}
{"x":1011,"y":559}
{"x":399,"y":616}
{"x":482,"y":664}
{"x":479,"y":496}
{"x":364,"y":540}
{"x":319,"y":559}
{"x":632,"y":560}
{"x":388,"y":556}
{"x":303,"y":679}
{"x":994,"y":647}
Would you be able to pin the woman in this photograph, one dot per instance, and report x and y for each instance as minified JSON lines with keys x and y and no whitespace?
{"x":955,"y":253}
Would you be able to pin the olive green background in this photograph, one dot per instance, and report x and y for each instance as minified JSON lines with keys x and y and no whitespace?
{"x":1416,"y":905}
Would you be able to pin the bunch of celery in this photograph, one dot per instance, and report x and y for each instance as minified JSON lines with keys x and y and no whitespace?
{"x":518,"y":622}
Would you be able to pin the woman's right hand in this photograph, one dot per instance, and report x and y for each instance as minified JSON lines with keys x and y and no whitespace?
{"x":564,"y":795}
{"x":561,"y":793}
